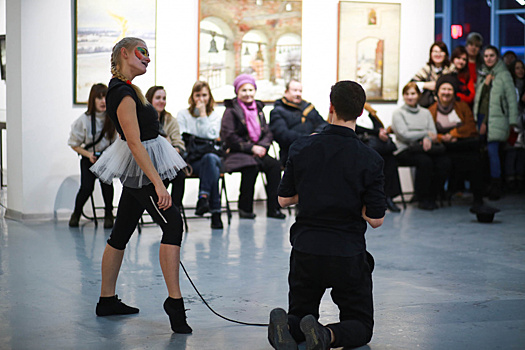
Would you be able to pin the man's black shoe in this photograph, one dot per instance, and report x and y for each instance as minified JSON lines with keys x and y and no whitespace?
{"x":317,"y":336}
{"x":278,"y":334}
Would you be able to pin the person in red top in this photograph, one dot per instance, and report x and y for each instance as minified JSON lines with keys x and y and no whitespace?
{"x":474,"y":44}
{"x":466,"y":86}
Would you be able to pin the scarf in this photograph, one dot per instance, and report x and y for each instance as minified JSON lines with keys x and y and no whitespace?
{"x":250,"y":114}
{"x":445,"y":109}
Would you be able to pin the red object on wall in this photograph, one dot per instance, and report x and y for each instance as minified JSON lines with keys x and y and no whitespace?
{"x":456,"y":31}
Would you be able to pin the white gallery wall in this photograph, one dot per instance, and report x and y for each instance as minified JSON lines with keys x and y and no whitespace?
{"x":2,"y":82}
{"x":42,"y":171}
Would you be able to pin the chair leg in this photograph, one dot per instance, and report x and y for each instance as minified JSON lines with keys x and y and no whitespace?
{"x":228,"y":209}
{"x":403,"y":200}
{"x":94,"y":210}
{"x":139,"y":225}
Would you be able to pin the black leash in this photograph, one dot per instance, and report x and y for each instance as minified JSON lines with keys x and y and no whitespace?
{"x":209,"y":307}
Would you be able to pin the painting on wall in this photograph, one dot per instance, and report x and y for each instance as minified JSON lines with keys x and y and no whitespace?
{"x":260,"y":37}
{"x":368,"y":48}
{"x":99,"y":25}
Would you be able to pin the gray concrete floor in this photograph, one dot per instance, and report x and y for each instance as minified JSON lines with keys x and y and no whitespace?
{"x":442,"y":281}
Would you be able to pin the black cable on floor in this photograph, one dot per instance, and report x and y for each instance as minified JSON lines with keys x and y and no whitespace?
{"x":209,"y":307}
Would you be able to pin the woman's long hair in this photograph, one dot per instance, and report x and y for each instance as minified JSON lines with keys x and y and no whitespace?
{"x":99,"y":91}
{"x":149,"y":96}
{"x":443,"y":47}
{"x":128,"y":43}
{"x":512,"y":69}
{"x":464,"y":73}
{"x":197,"y":87}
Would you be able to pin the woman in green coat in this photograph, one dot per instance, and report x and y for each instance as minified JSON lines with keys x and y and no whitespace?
{"x":496,"y":109}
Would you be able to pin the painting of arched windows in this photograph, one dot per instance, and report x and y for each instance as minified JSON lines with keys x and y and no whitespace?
{"x":216,"y":54}
{"x":288,"y":57}
{"x":261,"y":38}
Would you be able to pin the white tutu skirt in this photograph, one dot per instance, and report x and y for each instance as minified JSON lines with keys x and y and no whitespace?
{"x":117,"y":161}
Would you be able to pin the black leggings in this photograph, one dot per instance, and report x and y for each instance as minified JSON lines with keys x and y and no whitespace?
{"x":87,"y":185}
{"x":132,"y":204}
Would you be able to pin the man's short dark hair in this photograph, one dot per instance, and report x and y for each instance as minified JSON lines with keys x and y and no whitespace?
{"x":348,"y":99}
{"x":287,"y":86}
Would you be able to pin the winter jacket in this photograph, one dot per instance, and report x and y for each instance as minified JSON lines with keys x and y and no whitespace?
{"x":289,"y":121}
{"x":234,"y":134}
{"x":503,"y":106}
{"x":468,"y":125}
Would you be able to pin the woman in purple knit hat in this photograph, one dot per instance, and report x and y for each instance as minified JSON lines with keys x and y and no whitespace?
{"x":247,"y":137}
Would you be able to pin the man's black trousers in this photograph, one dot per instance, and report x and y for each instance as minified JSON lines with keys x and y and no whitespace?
{"x":351,"y":281}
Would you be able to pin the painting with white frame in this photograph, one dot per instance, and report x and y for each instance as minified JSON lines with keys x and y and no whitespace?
{"x":99,"y":25}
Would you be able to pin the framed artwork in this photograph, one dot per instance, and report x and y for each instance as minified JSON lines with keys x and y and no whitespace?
{"x":2,"y":56}
{"x":368,"y":47}
{"x":259,"y":37}
{"x":99,"y":25}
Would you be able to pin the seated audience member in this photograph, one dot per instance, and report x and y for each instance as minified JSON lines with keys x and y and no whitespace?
{"x":495,"y":111}
{"x":293,"y":117}
{"x":466,"y":88}
{"x":90,"y":135}
{"x":169,"y":128}
{"x":418,"y":145}
{"x":246,"y":138}
{"x":515,"y":150}
{"x":457,"y":131}
{"x":372,"y":132}
{"x":200,"y":126}
{"x":437,"y":65}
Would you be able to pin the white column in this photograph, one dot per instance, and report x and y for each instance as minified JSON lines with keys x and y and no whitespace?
{"x":39,"y":105}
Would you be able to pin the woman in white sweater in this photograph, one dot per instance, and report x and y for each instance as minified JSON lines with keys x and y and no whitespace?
{"x":201,"y":121}
{"x":90,"y":135}
{"x":416,"y":140}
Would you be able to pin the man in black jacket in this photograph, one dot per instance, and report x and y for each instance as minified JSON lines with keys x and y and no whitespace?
{"x":293,"y":117}
{"x":337,"y":182}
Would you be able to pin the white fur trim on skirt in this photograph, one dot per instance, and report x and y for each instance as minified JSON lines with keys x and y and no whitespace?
{"x":117,"y":161}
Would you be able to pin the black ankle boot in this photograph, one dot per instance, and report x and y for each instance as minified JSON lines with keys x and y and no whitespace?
{"x":177,"y":314}
{"x":108,"y":219}
{"x":216,"y":221}
{"x":74,"y":220}
{"x":108,"y":306}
